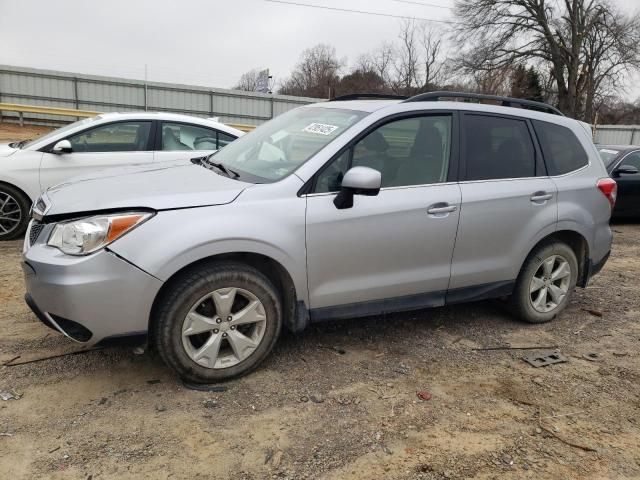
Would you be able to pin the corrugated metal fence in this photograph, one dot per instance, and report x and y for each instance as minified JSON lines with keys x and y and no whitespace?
{"x":109,"y":94}
{"x":618,"y":134}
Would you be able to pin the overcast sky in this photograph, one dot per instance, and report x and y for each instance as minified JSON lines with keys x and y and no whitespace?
{"x":203,"y":42}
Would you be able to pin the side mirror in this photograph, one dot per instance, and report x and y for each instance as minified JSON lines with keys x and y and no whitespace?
{"x":63,"y":146}
{"x":625,"y":170}
{"x":357,"y":181}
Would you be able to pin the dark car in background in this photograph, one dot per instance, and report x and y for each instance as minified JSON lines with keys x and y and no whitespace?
{"x":623,"y":164}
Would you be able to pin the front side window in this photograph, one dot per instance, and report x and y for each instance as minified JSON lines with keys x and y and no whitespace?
{"x":181,"y":136}
{"x":113,"y":137}
{"x":277,"y":148}
{"x":633,"y":160}
{"x":561,"y":149}
{"x":410,"y":151}
{"x":497,"y":148}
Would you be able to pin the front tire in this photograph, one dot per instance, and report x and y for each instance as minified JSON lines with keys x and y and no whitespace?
{"x":14,"y":212}
{"x":217,"y":322}
{"x":546,"y":283}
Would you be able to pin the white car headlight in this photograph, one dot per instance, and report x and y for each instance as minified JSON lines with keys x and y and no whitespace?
{"x":87,"y":235}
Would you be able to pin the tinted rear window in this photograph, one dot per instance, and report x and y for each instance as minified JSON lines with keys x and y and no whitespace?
{"x":497,"y":147}
{"x":561,"y":149}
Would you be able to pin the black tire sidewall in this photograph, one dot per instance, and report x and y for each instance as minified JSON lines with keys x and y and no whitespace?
{"x":186,"y":292}
{"x":25,"y":204}
{"x":521,"y":298}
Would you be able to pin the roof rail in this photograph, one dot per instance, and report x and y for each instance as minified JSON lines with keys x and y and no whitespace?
{"x":369,"y":96}
{"x":504,"y":101}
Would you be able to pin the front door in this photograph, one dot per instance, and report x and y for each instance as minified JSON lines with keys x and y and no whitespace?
{"x":107,"y":146}
{"x":393,"y":250}
{"x":628,"y":201}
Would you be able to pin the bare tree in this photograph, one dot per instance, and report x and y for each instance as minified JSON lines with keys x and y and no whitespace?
{"x":248,"y":81}
{"x":408,"y":60}
{"x":581,"y":43}
{"x":380,"y":61}
{"x":431,"y":42}
{"x":316,"y":74}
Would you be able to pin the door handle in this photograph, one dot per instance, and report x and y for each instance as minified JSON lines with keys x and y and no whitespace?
{"x":540,"y":197}
{"x":440,"y":208}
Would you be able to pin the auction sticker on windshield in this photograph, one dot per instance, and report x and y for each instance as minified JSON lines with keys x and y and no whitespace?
{"x":321,"y":128}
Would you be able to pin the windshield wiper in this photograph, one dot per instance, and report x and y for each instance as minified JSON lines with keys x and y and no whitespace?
{"x":18,"y":144}
{"x":226,"y":170}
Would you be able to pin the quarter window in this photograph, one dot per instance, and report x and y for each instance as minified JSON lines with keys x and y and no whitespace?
{"x":181,"y":136}
{"x":113,"y":137}
{"x":497,"y":147}
{"x":561,"y":149}
{"x":410,"y":151}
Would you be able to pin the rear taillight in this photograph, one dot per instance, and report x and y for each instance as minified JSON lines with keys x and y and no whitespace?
{"x":609,"y":189}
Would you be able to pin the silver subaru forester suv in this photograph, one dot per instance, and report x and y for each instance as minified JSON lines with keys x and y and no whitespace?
{"x":335,"y":210}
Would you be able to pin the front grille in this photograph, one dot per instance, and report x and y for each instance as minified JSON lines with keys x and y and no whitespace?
{"x":34,"y":231}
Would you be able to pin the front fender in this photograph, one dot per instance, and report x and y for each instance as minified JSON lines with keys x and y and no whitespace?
{"x":175,"y":239}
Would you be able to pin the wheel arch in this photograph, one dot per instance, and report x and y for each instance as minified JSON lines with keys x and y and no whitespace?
{"x":577,"y":242}
{"x":18,"y":188}
{"x":269,"y":267}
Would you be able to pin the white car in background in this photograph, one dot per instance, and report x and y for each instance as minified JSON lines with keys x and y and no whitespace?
{"x":29,"y":167}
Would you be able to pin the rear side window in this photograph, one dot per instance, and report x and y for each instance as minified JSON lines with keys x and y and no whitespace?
{"x":182,"y":136}
{"x":497,"y":147}
{"x":561,"y":149}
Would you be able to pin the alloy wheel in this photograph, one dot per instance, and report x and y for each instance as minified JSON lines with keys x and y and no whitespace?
{"x":224,"y":328}
{"x":10,"y":214}
{"x":550,"y":283}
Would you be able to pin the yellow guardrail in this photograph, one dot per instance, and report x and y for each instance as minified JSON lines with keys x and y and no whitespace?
{"x":240,"y":126}
{"x":21,"y":109}
{"x":72,"y":112}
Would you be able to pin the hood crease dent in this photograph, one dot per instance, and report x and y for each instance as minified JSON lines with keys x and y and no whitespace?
{"x":161,"y":186}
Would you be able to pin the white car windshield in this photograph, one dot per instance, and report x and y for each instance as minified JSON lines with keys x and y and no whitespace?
{"x":277,"y":148}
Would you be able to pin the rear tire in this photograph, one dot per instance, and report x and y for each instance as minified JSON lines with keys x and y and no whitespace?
{"x":546,"y":283}
{"x":14,"y":212}
{"x":217,"y":322}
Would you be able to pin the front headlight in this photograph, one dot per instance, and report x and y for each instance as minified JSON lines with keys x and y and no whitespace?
{"x":87,"y":235}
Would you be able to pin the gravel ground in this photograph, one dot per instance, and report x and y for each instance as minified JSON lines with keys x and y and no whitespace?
{"x":339,"y":401}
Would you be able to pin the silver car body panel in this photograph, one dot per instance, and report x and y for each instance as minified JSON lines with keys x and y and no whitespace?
{"x":106,"y":294}
{"x":499,"y":225}
{"x":160,"y":186}
{"x":272,"y":225}
{"x":384,"y":247}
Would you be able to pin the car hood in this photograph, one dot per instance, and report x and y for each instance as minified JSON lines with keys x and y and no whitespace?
{"x":160,"y":186}
{"x":6,"y":150}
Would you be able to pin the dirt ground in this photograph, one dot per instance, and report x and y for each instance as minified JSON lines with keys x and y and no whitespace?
{"x":12,"y":131}
{"x":339,"y":401}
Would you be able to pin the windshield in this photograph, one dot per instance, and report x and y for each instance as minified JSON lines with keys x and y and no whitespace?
{"x":58,"y":131}
{"x":280,"y":146}
{"x":608,"y":155}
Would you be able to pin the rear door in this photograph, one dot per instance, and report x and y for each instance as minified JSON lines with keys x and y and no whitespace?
{"x":110,"y":145}
{"x":507,"y":202}
{"x":179,"y":140}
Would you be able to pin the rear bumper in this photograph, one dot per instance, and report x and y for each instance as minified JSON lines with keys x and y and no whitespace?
{"x":88,"y":298}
